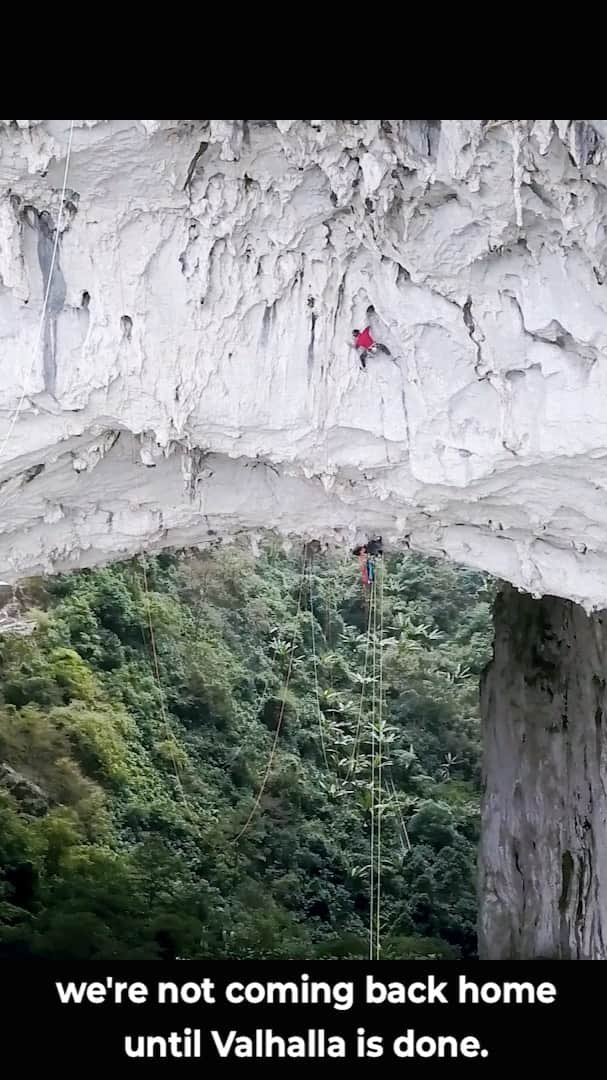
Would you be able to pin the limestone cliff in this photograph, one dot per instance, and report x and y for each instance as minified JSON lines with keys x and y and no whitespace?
{"x":186,"y":371}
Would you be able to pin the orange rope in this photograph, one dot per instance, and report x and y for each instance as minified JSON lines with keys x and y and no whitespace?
{"x":280,"y":717}
{"x":156,"y":674}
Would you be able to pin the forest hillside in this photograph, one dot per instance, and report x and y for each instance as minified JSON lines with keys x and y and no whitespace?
{"x":193,"y":748}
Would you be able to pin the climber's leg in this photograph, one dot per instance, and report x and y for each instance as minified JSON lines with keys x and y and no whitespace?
{"x":363,"y":359}
{"x":363,"y":568}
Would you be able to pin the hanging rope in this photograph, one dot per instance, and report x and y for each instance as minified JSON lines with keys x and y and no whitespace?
{"x":315,"y":663}
{"x":405,"y":842}
{"x":377,"y":737}
{"x":49,"y":283}
{"x":281,"y":714}
{"x":358,"y":732}
{"x":331,"y":603}
{"x":380,"y":737}
{"x":157,"y":678}
{"x":373,"y":809}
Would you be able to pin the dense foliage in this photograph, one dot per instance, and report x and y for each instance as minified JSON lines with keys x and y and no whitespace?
{"x":131,"y":761}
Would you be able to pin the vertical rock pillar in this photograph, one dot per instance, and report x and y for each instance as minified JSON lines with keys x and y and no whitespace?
{"x":543,"y":855}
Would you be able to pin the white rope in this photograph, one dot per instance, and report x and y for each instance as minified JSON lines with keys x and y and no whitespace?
{"x":372,"y":872}
{"x":379,"y":754}
{"x":156,"y":675}
{"x":315,"y":662}
{"x":357,"y":733}
{"x":16,"y":412}
{"x":405,"y":843}
{"x":268,"y":770}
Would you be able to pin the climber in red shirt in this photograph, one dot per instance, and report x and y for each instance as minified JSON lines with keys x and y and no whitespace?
{"x":363,"y":340}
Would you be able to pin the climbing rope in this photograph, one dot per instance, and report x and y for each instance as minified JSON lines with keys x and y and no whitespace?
{"x":358,"y":732}
{"x":375,"y":638}
{"x":157,"y":678}
{"x":268,"y":770}
{"x":380,"y":736}
{"x":405,"y":842}
{"x":373,"y":678}
{"x":331,"y":609}
{"x":315,"y":665}
{"x":371,"y":647}
{"x":49,"y":283}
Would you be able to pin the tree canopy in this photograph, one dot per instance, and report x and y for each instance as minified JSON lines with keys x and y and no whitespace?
{"x":143,"y":812}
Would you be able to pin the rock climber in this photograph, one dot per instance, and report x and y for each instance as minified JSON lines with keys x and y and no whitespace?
{"x":363,"y":561}
{"x":367,"y":554}
{"x":375,"y":547}
{"x":363,"y":340}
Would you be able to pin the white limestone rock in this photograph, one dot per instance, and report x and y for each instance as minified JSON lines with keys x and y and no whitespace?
{"x":193,"y":377}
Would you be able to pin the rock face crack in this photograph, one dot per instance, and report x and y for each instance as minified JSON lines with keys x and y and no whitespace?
{"x":193,"y":165}
{"x":474,"y":336}
{"x":55,"y":300}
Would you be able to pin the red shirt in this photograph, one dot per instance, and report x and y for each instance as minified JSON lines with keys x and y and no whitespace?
{"x":364,"y":340}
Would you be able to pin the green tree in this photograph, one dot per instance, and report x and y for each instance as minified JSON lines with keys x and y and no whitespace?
{"x":189,"y":760}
